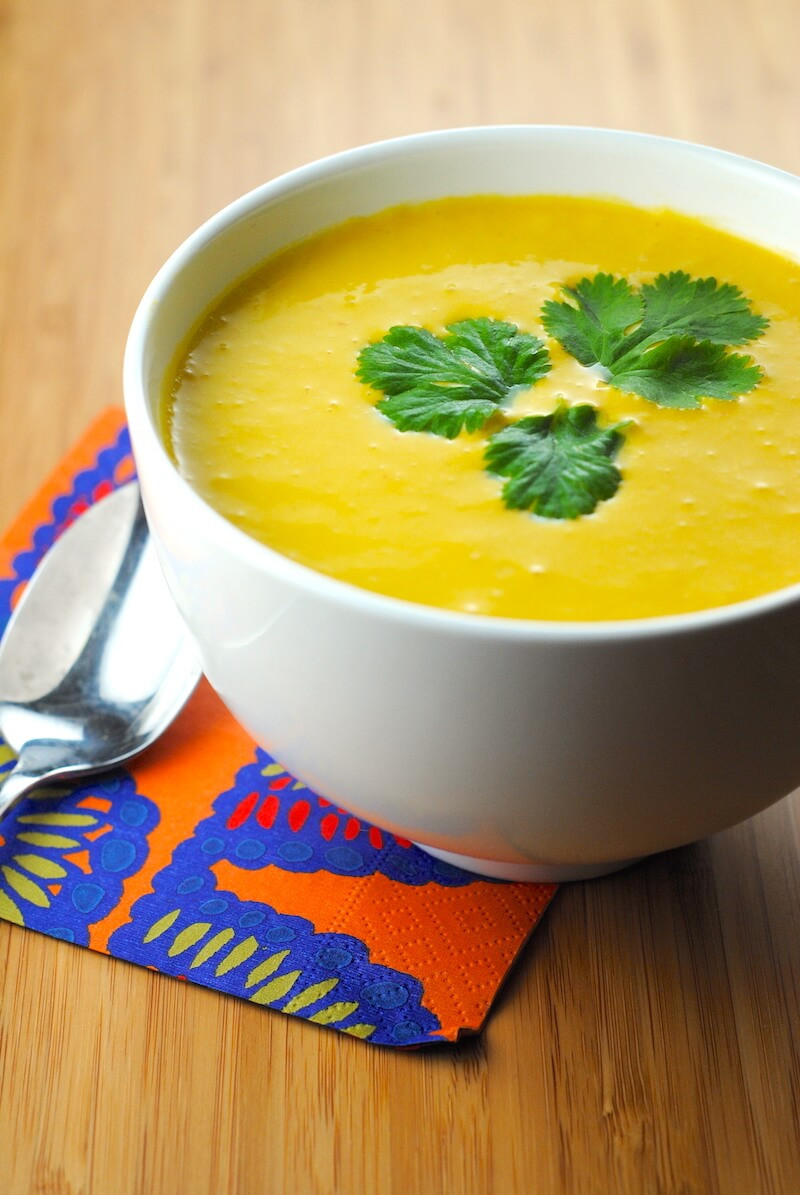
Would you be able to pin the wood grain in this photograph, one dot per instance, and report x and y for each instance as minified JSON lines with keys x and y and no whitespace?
{"x":647,"y":1041}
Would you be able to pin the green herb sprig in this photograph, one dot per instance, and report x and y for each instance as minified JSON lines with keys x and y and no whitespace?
{"x":453,"y":383}
{"x":666,"y":342}
{"x":560,"y":465}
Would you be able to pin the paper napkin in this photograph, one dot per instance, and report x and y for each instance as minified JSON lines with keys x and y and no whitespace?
{"x":207,"y":860}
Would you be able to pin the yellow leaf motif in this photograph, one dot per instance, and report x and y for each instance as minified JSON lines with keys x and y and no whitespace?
{"x":26,"y":888}
{"x":36,"y":838}
{"x":212,"y":946}
{"x":237,"y":956}
{"x":46,"y":869}
{"x":58,"y":819}
{"x":9,"y":911}
{"x":276,"y":988}
{"x":188,"y":937}
{"x":334,"y":1013}
{"x":360,"y":1030}
{"x":268,"y":967}
{"x":310,"y":995}
{"x":161,"y":926}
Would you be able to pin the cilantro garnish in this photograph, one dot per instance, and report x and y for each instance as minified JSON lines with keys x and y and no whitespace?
{"x":667,"y":342}
{"x":451,"y":383}
{"x":559,"y":465}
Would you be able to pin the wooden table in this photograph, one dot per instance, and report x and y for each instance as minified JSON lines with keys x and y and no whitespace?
{"x":647,"y":1040}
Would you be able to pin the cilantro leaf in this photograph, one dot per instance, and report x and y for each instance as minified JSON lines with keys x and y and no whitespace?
{"x":676,"y":372}
{"x":500,"y":350}
{"x":559,"y":465}
{"x":677,"y":305}
{"x":445,"y":384}
{"x":436,"y":409}
{"x":593,"y":330}
{"x":667,"y":342}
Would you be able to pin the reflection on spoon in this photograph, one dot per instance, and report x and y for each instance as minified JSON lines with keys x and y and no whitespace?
{"x":95,"y":662}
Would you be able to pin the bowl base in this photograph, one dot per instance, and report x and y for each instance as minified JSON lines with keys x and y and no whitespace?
{"x":527,"y":873}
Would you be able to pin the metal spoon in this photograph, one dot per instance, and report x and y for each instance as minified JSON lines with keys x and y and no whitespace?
{"x":95,"y":662}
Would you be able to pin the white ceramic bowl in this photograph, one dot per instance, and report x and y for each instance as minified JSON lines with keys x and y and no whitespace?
{"x":528,"y":750}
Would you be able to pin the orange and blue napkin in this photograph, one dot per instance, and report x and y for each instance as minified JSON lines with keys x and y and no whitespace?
{"x":205,"y":859}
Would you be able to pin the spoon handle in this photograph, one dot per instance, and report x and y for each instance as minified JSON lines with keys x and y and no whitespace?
{"x":17,"y":784}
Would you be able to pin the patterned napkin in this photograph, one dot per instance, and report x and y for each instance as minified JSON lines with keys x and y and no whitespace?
{"x":206,"y":860}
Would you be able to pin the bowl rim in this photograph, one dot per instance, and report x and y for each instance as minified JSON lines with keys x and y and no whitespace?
{"x":369,"y":602}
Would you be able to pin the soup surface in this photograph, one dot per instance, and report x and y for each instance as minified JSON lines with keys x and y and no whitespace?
{"x":268,"y":419}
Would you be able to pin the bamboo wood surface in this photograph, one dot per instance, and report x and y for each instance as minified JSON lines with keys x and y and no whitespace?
{"x":647,"y":1040}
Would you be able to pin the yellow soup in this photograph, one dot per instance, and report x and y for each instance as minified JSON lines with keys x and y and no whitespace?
{"x":267,"y":419}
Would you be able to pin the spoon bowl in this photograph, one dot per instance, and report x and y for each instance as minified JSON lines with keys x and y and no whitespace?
{"x":95,"y":662}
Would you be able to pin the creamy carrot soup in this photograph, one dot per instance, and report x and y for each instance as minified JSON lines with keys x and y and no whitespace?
{"x":297,"y":413}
